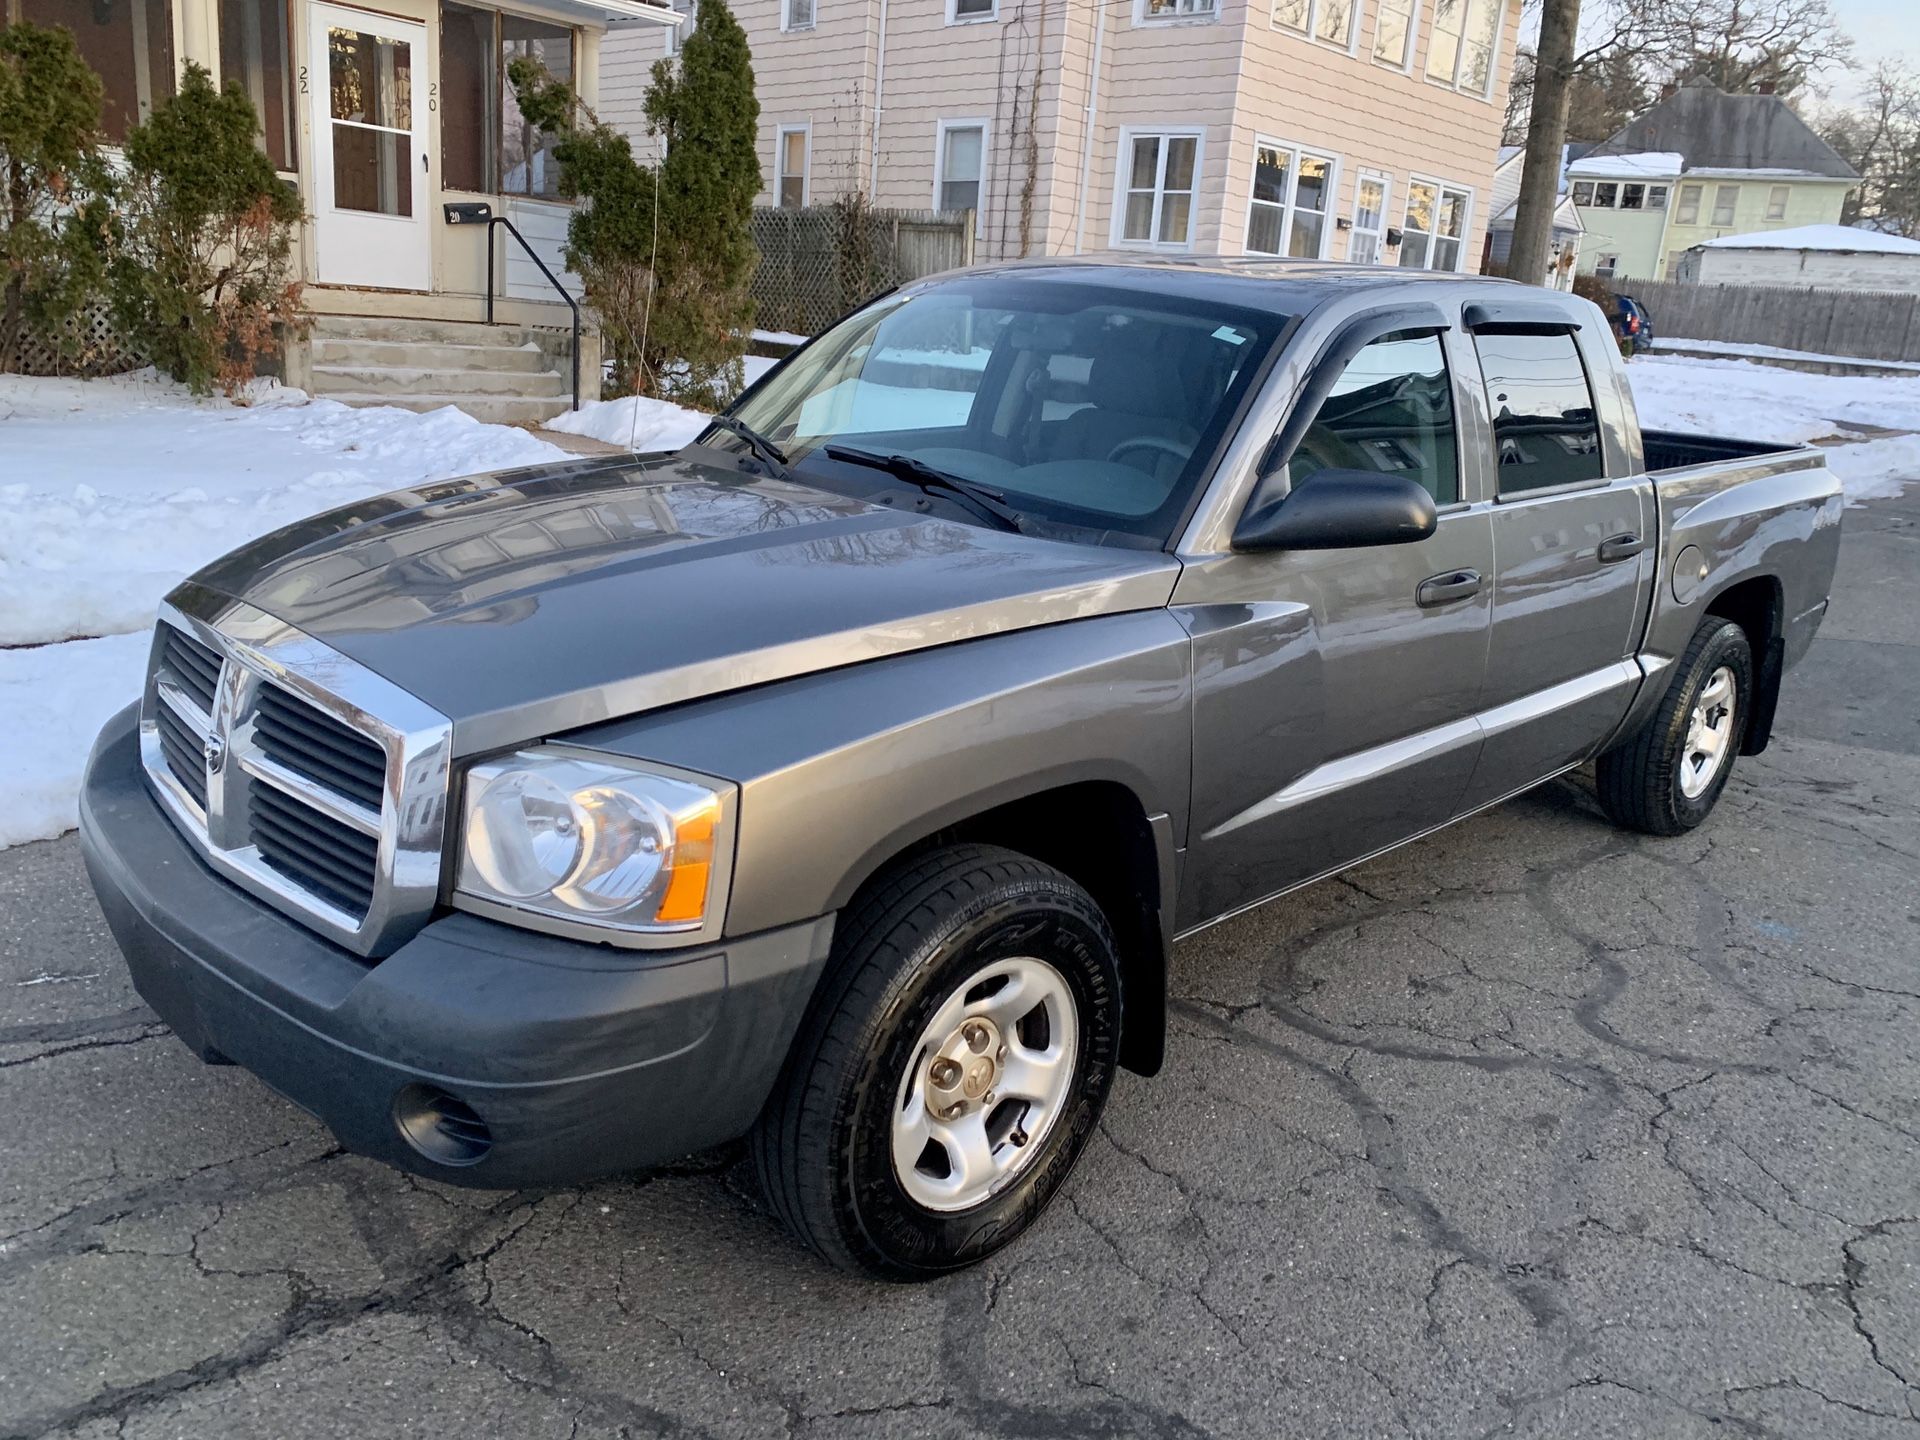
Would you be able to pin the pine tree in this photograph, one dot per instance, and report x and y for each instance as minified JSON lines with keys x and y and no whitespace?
{"x":52,"y":184}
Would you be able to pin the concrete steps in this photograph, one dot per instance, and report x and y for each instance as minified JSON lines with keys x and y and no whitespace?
{"x":493,"y":372}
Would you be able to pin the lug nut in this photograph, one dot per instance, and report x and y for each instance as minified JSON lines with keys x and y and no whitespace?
{"x":1000,"y":1055}
{"x":954,"y":1111}
{"x":976,"y":1037}
{"x":944,"y":1073}
{"x":987,"y":1099}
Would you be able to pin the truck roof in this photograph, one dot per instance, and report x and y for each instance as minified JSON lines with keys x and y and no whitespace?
{"x":1286,"y":287}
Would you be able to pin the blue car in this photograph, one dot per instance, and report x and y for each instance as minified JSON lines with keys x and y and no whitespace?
{"x":1633,"y":323}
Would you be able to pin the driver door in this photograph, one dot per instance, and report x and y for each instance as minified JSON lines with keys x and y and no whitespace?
{"x":1335,"y":689}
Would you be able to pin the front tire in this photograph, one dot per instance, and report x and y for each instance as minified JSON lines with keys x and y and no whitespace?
{"x":1665,"y":777}
{"x":951,"y":1069}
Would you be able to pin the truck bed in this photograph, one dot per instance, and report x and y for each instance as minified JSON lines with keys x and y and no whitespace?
{"x":1677,"y":450}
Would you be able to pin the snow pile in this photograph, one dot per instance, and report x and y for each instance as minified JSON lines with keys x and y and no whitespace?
{"x":634,"y":423}
{"x":53,"y":701}
{"x":1790,"y":407}
{"x":114,"y":491}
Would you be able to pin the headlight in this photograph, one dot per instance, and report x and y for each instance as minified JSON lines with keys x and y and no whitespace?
{"x":593,"y":841}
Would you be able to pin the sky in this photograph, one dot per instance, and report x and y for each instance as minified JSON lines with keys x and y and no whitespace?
{"x":1879,"y":28}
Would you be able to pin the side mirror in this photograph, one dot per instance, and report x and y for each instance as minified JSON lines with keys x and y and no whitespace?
{"x":1340,"y":509}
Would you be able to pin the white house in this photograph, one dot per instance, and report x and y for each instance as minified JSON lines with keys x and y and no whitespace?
{"x":1835,"y":257}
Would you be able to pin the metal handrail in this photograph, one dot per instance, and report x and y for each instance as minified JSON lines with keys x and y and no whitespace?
{"x":552,"y":279}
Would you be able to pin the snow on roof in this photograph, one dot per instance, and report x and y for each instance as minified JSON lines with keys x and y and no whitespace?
{"x":1656,"y":163}
{"x":1818,"y":237}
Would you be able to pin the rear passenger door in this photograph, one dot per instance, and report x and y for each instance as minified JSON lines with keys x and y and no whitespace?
{"x":1572,"y":551}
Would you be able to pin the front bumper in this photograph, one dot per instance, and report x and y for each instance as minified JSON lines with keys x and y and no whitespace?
{"x":581,"y":1060}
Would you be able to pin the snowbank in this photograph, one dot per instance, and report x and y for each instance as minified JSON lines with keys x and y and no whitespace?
{"x":53,"y":701}
{"x":633,"y":423}
{"x":1773,"y":352}
{"x":112,"y":492}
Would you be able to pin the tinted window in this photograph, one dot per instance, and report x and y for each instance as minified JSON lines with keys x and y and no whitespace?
{"x":1544,"y":429}
{"x":1391,"y":410}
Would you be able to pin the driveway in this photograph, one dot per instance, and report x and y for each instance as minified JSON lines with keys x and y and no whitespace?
{"x":1533,"y":1128}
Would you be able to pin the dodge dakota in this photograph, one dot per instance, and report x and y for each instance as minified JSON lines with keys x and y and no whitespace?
{"x":843,"y":780}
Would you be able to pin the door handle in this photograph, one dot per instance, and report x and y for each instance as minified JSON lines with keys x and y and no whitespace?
{"x":1620,"y":547}
{"x":1447,"y":588}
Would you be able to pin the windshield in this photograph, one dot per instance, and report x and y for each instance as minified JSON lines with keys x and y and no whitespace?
{"x":1089,"y":409}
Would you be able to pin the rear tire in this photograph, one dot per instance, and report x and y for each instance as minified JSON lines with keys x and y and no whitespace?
{"x":937,"y":945}
{"x":1665,"y":777}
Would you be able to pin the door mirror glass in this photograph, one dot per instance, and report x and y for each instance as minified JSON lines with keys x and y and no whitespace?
{"x":1342,"y":509}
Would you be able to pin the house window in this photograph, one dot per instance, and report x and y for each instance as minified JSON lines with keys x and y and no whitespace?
{"x":1583,"y":192}
{"x":959,"y":166}
{"x":127,"y":43}
{"x":1606,"y":265}
{"x":1461,"y":54}
{"x":1777,"y":202}
{"x":1725,"y":197}
{"x":254,"y":51}
{"x":1148,"y":11}
{"x":1606,"y":194}
{"x":1368,"y":241}
{"x":1393,"y":33}
{"x":1292,"y":192}
{"x":1436,"y":228}
{"x":1688,"y":212}
{"x":1633,"y":197}
{"x":959,"y":12}
{"x":1545,"y":430}
{"x":1329,"y":20}
{"x":796,"y":14}
{"x":790,"y":149}
{"x":1656,"y":197}
{"x":1157,"y":199}
{"x":470,"y":89}
{"x":527,"y":166}
{"x":1674,"y":257}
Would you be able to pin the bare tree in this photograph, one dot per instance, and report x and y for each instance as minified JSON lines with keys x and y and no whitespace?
{"x":1744,"y":47}
{"x":1880,"y":138}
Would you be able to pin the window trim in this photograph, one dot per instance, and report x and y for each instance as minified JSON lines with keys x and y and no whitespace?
{"x":1459,"y":54}
{"x":1287,"y":206}
{"x":955,"y":18}
{"x":787,"y":27}
{"x":1733,"y":207}
{"x":1685,"y":211}
{"x":1405,"y":64}
{"x":1351,"y":46}
{"x":1142,"y":19}
{"x":780,"y":133}
{"x":1587,"y":185}
{"x":940,"y":129}
{"x":1386,"y":214}
{"x":1785,"y":195}
{"x":1466,"y":217}
{"x":1123,"y":169}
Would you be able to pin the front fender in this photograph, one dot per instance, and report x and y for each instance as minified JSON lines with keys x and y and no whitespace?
{"x":842,"y":770}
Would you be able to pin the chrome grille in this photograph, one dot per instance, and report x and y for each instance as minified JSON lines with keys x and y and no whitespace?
{"x":306,"y":779}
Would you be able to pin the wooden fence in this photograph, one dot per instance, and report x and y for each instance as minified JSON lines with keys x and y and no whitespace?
{"x":818,"y":263}
{"x":1866,"y":324}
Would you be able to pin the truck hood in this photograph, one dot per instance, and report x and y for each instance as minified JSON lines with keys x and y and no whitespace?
{"x":530,"y":602}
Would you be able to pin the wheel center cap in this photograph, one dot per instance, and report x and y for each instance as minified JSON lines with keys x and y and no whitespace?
{"x":979,"y":1078}
{"x":964,"y":1070}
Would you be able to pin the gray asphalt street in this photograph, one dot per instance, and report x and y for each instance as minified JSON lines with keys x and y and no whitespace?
{"x":1532,"y":1129}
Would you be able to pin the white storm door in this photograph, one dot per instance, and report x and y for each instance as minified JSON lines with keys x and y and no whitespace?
{"x":369,"y":125}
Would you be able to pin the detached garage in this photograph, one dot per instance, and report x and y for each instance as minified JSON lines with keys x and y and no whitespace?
{"x":1828,"y":257}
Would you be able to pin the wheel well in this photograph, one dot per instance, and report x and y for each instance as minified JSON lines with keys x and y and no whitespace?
{"x":1755,"y":606}
{"x":1097,"y":834}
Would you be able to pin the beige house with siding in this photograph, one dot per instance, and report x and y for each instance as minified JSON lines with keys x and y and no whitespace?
{"x":1338,"y":129}
{"x":394,"y":121}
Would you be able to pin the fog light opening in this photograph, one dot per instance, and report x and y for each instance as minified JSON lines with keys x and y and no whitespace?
{"x":440,"y":1126}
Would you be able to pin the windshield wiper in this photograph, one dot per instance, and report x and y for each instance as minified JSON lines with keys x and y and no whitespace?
{"x":975,"y":496}
{"x":769,"y":453}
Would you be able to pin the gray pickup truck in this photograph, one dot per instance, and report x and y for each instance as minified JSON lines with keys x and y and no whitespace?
{"x":843,"y":780}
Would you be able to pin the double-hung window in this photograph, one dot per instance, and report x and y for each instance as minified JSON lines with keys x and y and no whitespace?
{"x":1725,"y":198}
{"x":790,"y":146}
{"x":1688,"y":210}
{"x":1159,"y":172}
{"x":1436,"y":226}
{"x":1461,"y":53}
{"x":1777,"y":202}
{"x":1583,"y":192}
{"x":1367,"y":243}
{"x":1146,"y":12}
{"x":959,"y":166}
{"x":1333,"y":21}
{"x":961,"y":12}
{"x":1393,"y":33}
{"x":796,"y":14}
{"x":1292,"y":195}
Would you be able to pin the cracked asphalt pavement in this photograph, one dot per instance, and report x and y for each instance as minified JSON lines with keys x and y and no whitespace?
{"x":1533,"y":1129}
